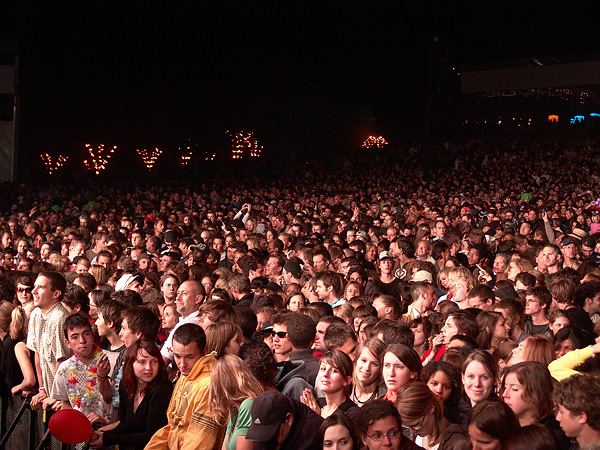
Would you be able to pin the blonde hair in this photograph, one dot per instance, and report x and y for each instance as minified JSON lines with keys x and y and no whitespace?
{"x":6,"y":308}
{"x":61,"y":264}
{"x":99,"y":273}
{"x":462,"y":273}
{"x":19,"y":322}
{"x":231,"y":382}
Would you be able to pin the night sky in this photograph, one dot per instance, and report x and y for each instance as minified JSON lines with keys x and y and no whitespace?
{"x":327,"y":72}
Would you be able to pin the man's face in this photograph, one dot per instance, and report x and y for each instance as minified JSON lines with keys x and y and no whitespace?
{"x":185,"y":356}
{"x":386,"y":266}
{"x":137,"y":240}
{"x":81,"y":342}
{"x":187,"y":299}
{"x":281,"y":345}
{"x":440,"y":229}
{"x":473,"y":257}
{"x":319,"y":264}
{"x":127,"y":336}
{"x":218,"y":245}
{"x":548,"y":257}
{"x":6,"y":240}
{"x":322,"y":291}
{"x":570,"y":251}
{"x":532,"y":305}
{"x":43,"y":295}
{"x":349,"y":348}
{"x":105,"y":261}
{"x":430,"y":299}
{"x":572,"y":424}
{"x":320,"y":335}
{"x":272,"y":267}
{"x":587,"y":252}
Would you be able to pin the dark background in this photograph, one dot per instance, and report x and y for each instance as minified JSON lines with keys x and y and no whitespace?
{"x":305,"y":78}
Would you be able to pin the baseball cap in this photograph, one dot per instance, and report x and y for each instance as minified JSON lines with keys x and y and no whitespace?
{"x":567,"y":241}
{"x":384,"y":255}
{"x":422,"y":275}
{"x":268,"y":411}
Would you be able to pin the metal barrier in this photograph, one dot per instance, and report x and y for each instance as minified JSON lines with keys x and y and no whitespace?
{"x":24,"y":429}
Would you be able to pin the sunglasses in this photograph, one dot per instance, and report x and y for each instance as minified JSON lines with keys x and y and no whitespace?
{"x":28,"y":289}
{"x":280,"y":334}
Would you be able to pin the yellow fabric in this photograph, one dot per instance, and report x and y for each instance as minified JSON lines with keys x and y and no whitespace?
{"x":191,"y":426}
{"x":562,"y":367}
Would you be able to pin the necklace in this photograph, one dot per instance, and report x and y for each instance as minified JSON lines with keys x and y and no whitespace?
{"x":357,"y":400}
{"x":78,"y":399}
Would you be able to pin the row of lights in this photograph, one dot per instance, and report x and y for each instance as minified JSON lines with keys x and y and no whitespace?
{"x":375,"y":142}
{"x":53,"y":166}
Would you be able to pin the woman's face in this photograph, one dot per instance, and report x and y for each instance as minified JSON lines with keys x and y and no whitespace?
{"x":330,"y":379}
{"x":337,"y":437}
{"x":395,"y":372}
{"x":513,"y":396}
{"x":559,"y":323}
{"x":422,"y":250}
{"x":24,"y":293}
{"x":440,"y":385}
{"x":517,"y":354}
{"x":419,"y":335}
{"x":169,"y":319}
{"x":444,"y":280}
{"x":234,"y":345}
{"x":145,"y":366}
{"x":478,"y":382}
{"x":564,"y":347}
{"x":500,"y":330}
{"x":499,"y":264}
{"x":296,"y":302}
{"x":483,"y":441}
{"x":352,"y":291}
{"x":367,"y":368}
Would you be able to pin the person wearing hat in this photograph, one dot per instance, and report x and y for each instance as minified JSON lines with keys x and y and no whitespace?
{"x":279,"y":422}
{"x":387,"y":283}
{"x":570,"y":251}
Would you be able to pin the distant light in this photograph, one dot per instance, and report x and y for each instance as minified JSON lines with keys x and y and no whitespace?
{"x":149,"y":157}
{"x":553,"y":118}
{"x":594,"y":115}
{"x":375,"y":142}
{"x":99,"y":157}
{"x":50,"y":167}
{"x":243,"y":145}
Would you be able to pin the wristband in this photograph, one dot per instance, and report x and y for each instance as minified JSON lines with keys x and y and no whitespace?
{"x":41,"y":388}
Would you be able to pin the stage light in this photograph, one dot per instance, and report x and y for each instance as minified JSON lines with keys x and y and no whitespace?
{"x":99,"y":157}
{"x":375,"y":142}
{"x":244,"y":145}
{"x":149,"y":158}
{"x":53,"y":167}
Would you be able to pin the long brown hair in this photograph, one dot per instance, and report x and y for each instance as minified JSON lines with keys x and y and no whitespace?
{"x":129,"y":381}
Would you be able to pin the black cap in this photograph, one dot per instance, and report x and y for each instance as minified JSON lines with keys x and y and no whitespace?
{"x":294,"y":268}
{"x":268,"y":411}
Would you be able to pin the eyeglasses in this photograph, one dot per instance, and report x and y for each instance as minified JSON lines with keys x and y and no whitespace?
{"x":280,"y":334}
{"x":415,"y":427}
{"x":27,"y":289}
{"x":393,"y":435}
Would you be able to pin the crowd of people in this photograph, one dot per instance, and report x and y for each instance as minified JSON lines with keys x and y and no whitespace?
{"x":370,"y":306}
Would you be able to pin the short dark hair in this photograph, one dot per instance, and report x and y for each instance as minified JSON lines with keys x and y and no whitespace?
{"x":57,"y":281}
{"x":394,"y":332}
{"x":141,"y":320}
{"x":301,"y":330}
{"x":111,"y":311}
{"x":337,"y":334}
{"x":495,"y":418}
{"x":580,"y":393}
{"x":542,"y":295}
{"x":373,"y":411}
{"x":246,"y":320}
{"x":323,"y":308}
{"x":75,"y":321}
{"x":75,"y":295}
{"x":127,"y":297}
{"x":188,"y":333}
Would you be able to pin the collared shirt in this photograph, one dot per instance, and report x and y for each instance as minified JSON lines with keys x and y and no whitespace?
{"x":167,"y":349}
{"x":46,"y":337}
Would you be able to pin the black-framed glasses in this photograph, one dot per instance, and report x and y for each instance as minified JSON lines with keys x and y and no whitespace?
{"x":280,"y":334}
{"x":379,"y":436}
{"x":415,"y":427}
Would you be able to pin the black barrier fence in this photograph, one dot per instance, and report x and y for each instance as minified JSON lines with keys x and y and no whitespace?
{"x":21,"y":428}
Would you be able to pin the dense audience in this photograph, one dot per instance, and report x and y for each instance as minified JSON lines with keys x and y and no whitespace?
{"x":374,"y":306}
